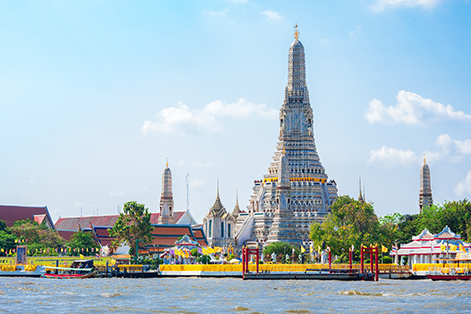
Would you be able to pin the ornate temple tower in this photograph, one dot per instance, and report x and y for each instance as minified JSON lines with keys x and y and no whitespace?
{"x":295,"y":191}
{"x":425,"y":193}
{"x":218,"y":225}
{"x":166,"y":199}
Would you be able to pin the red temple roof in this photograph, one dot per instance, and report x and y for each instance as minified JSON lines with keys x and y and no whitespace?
{"x":12,"y":213}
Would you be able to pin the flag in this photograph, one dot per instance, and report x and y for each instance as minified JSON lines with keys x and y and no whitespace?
{"x":81,"y":256}
{"x":318,"y":248}
{"x":200,"y":250}
{"x":384,"y":249}
{"x":462,"y":248}
{"x":97,"y":256}
{"x":303,"y":249}
{"x":453,"y":247}
{"x":311,"y":249}
{"x":353,"y":248}
{"x":443,"y":247}
{"x":394,"y":248}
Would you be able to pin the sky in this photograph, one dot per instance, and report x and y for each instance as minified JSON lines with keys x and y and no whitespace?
{"x":95,"y":95}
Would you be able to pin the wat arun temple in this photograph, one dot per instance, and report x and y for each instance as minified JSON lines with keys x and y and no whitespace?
{"x":295,"y":191}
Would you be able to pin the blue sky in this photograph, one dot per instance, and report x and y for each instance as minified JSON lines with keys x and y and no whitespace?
{"x":95,"y":95}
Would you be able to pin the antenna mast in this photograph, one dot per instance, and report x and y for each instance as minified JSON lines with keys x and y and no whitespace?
{"x":187,"y":181}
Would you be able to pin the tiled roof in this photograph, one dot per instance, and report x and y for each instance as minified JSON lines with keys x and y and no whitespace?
{"x":447,"y":234}
{"x":425,"y":235}
{"x":12,"y":213}
{"x":66,"y":234}
{"x":72,"y":223}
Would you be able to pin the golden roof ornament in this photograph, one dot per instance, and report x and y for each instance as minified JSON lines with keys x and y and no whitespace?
{"x":296,"y":32}
{"x":424,"y":159}
{"x":166,"y":162}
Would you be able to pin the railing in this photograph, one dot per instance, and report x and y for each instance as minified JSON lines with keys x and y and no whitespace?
{"x":428,"y":266}
{"x":383,"y":268}
{"x":449,"y":270}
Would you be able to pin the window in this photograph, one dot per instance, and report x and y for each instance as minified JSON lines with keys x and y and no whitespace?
{"x":228,"y":230}
{"x":210,"y":229}
{"x":222,"y":229}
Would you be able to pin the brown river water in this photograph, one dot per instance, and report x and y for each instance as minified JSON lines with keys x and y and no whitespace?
{"x":231,"y":295}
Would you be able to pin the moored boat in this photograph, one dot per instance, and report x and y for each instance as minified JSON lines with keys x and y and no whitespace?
{"x":80,"y":269}
{"x":451,"y":268}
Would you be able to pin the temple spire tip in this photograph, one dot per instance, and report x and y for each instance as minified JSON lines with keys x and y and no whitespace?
{"x":296,"y":32}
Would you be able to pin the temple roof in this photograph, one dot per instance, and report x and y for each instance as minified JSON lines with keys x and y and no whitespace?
{"x":12,"y":213}
{"x":72,"y":223}
{"x":425,"y":235}
{"x":447,"y":234}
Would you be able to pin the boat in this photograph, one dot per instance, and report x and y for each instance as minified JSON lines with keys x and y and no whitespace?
{"x":22,"y":270}
{"x":451,"y":268}
{"x":80,"y":269}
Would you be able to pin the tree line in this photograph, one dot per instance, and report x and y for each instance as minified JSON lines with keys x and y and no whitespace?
{"x":42,"y":241}
{"x":355,"y":223}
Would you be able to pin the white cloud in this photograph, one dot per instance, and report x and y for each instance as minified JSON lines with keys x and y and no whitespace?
{"x":176,"y":119}
{"x":31,"y":181}
{"x":463,"y":147}
{"x":451,"y":150}
{"x":272,"y":14}
{"x":464,"y":187}
{"x":393,"y":157}
{"x":380,"y":5}
{"x":412,"y":109}
{"x":180,"y":119}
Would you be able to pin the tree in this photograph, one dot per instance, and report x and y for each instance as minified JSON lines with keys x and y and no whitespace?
{"x":389,"y":229}
{"x":7,"y":242}
{"x":3,"y":225}
{"x":454,"y":214}
{"x":280,"y":248}
{"x":82,"y":240}
{"x":133,"y":225}
{"x":350,"y":222}
{"x":37,"y":236}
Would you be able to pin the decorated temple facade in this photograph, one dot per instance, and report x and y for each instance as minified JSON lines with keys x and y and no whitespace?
{"x":295,"y":191}
{"x":218,"y":225}
{"x":426,"y":248}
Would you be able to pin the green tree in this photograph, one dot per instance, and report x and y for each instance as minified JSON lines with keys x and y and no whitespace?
{"x":407,"y":227}
{"x":3,"y":225}
{"x":37,"y":236}
{"x":454,"y":214}
{"x":389,"y":229}
{"x":281,"y":248}
{"x":7,"y":242}
{"x":350,"y":222}
{"x":82,"y":240}
{"x":133,"y":224}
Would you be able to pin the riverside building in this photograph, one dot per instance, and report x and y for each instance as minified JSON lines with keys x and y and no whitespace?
{"x":295,"y":191}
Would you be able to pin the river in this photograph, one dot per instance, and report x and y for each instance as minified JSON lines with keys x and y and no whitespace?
{"x":208,"y":295}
